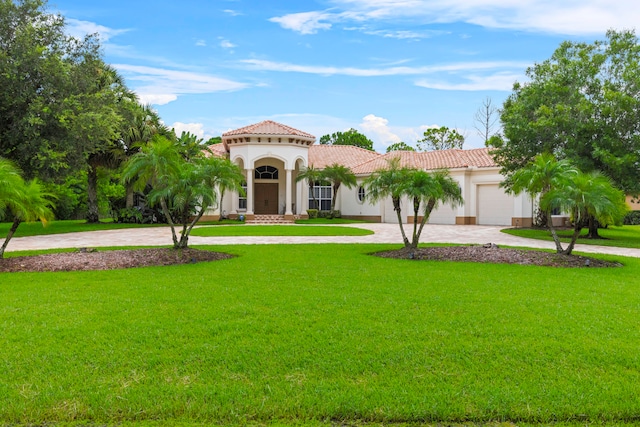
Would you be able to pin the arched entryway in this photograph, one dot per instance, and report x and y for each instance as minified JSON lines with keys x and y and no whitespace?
{"x":266,"y":190}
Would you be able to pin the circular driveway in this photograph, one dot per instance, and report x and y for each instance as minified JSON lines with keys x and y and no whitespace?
{"x":383,"y":233}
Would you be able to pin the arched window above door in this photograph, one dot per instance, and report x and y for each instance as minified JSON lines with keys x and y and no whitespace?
{"x":266,"y":172}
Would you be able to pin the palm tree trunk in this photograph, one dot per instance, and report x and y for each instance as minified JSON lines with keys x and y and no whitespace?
{"x":167,"y":214}
{"x":334,"y":198}
{"x":313,"y":195}
{"x":554,"y":234}
{"x":425,"y":218}
{"x":576,"y":232}
{"x":416,"y":212}
{"x":12,"y":230}
{"x":92,"y":195}
{"x":396,"y":207}
{"x":129,"y":195}
{"x":593,"y":228}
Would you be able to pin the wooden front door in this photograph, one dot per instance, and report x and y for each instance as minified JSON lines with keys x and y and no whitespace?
{"x":266,"y":199}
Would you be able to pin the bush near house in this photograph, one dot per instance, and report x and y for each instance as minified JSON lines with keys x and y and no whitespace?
{"x":632,"y":218}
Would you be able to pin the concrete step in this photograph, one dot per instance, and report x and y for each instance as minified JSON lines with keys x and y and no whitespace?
{"x":269,"y":219}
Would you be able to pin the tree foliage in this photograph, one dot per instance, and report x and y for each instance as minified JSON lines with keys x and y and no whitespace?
{"x":559,"y":184}
{"x":350,"y":137}
{"x":184,"y":186}
{"x":21,"y":200}
{"x":47,"y":100}
{"x":400,"y":146}
{"x":441,"y":138}
{"x":582,"y":104}
{"x":337,"y":175}
{"x":424,"y":190}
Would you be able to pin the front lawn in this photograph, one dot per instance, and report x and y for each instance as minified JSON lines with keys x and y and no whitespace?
{"x":278,"y":230}
{"x":323,"y":333}
{"x":65,"y":226}
{"x":627,"y":236}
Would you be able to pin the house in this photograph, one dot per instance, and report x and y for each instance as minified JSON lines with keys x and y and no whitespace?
{"x":272,"y":155}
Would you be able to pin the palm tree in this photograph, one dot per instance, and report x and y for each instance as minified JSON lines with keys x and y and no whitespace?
{"x":338,"y":175}
{"x":588,"y":195}
{"x":24,"y":201}
{"x":184,"y":189}
{"x":387,"y":182}
{"x":157,"y":164}
{"x":538,"y":178}
{"x":428,"y":190}
{"x":312,"y":175}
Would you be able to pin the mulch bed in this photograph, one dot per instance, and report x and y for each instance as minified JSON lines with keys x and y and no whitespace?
{"x":496,"y":255}
{"x":91,"y":259}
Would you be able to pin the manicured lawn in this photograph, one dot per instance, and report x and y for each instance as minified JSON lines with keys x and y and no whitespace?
{"x":279,"y":230}
{"x":627,"y":236}
{"x":321,"y":333}
{"x":329,"y":221}
{"x":67,"y":226}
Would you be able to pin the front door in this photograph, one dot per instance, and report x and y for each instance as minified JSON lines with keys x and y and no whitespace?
{"x":266,"y":199}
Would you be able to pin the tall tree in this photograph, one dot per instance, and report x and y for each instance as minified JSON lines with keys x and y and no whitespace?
{"x":400,"y":146}
{"x":338,"y":175}
{"x":487,"y":120}
{"x":350,"y":137}
{"x":42,"y":75}
{"x":441,"y":138}
{"x":582,"y":104}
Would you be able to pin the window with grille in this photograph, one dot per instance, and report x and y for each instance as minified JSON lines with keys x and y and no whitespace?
{"x":266,"y":172}
{"x":323,"y":193}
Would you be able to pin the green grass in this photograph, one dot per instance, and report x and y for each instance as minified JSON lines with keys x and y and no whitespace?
{"x":321,"y":334}
{"x":329,"y":221}
{"x":66,"y":226}
{"x":627,"y":236}
{"x":279,"y":230}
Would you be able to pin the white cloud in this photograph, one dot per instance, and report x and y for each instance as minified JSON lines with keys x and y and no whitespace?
{"x":80,"y":29}
{"x":304,"y":23}
{"x":499,"y":81}
{"x":195,"y":128}
{"x":226,"y":44}
{"x":161,"y":86}
{"x":377,"y":72}
{"x":232,"y":12}
{"x":377,"y":129}
{"x":571,"y":17}
{"x":201,"y":43}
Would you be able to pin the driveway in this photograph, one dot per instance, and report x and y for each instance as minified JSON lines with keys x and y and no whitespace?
{"x":383,"y":233}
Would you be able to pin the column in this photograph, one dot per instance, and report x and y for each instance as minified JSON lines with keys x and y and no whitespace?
{"x":249,"y":193}
{"x":287,"y":197}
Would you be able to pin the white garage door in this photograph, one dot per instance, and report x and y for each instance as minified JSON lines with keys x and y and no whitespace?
{"x":495,"y":207}
{"x":444,"y":214}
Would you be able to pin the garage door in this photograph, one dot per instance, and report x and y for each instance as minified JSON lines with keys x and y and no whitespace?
{"x":495,"y":207}
{"x":444,"y":214}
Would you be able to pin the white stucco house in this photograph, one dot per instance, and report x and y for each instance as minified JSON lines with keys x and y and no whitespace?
{"x":272,"y":155}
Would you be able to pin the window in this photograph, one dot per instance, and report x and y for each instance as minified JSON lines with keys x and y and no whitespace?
{"x":361,"y":194}
{"x":266,"y":172}
{"x":322,"y":191}
{"x":242,"y":199}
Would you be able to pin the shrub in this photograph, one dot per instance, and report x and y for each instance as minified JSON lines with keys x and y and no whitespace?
{"x":329,"y":214}
{"x":632,"y":218}
{"x":313,"y":213}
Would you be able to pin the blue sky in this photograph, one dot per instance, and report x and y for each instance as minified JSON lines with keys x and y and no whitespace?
{"x":389,"y":68}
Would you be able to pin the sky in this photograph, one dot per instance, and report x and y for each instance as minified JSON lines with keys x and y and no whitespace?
{"x":389,"y":68}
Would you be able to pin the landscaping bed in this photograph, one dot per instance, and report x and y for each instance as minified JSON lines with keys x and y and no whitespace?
{"x":496,"y":255}
{"x":92,"y":259}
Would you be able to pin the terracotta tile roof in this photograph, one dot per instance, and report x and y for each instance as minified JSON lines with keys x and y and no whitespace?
{"x":269,"y":127}
{"x":368,"y":162}
{"x":218,"y":150}
{"x":321,"y":156}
